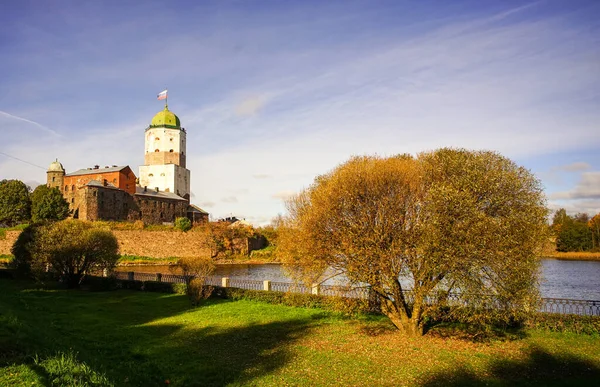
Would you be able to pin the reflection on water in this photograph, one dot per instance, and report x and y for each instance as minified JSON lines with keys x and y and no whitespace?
{"x":560,"y":279}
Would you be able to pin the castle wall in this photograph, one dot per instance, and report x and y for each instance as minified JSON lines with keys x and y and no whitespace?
{"x":159,"y":210}
{"x":123,"y":179}
{"x":55,"y":179}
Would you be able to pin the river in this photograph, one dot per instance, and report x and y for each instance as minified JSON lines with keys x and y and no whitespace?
{"x":578,"y":280}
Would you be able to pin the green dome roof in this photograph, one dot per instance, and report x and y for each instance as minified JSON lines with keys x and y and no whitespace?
{"x":166,"y":119}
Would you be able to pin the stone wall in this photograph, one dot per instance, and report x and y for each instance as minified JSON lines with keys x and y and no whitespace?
{"x":7,"y":241}
{"x":155,"y":244}
{"x":161,"y":244}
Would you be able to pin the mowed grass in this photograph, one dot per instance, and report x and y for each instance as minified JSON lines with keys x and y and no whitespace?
{"x":129,"y":338}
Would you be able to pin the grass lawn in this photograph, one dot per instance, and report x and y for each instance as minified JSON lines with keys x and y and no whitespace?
{"x":129,"y":338}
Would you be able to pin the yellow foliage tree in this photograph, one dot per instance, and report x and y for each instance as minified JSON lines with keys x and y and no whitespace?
{"x":414,"y":229}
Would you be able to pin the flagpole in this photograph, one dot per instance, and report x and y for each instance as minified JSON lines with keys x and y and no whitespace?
{"x":167,"y":99}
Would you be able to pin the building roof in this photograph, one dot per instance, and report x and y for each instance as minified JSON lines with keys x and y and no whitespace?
{"x":195,"y":208}
{"x":165,"y":119}
{"x":94,"y":171}
{"x":139,"y":191}
{"x":96,"y":183}
{"x":55,"y":166}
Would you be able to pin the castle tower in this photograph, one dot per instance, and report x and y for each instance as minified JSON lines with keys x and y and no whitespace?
{"x":55,"y":175}
{"x":165,"y":156}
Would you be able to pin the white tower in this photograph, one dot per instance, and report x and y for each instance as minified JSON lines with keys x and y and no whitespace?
{"x":165,"y":154}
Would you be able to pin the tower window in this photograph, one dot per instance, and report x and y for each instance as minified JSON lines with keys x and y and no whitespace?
{"x":72,"y":188}
{"x":156,"y":150}
{"x":157,"y":139}
{"x":53,"y":179}
{"x":72,"y":200}
{"x":162,"y":174}
{"x":151,"y":175}
{"x":170,"y":150}
{"x":171,"y":139}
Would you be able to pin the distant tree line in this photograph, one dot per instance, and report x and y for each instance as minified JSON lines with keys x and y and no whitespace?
{"x":18,"y":204}
{"x":578,"y":232}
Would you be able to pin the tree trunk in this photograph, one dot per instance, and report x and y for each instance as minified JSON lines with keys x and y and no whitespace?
{"x":410,"y":326}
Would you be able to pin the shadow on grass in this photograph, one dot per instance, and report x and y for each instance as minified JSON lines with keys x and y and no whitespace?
{"x":539,"y":369}
{"x":119,"y":334}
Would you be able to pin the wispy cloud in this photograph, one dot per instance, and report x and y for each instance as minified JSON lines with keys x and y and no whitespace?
{"x":36,"y":124}
{"x":229,"y":199}
{"x":573,"y":167}
{"x":250,"y":106}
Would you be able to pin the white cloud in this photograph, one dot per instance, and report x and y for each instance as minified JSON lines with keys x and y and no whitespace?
{"x":587,"y":188}
{"x":229,"y":199}
{"x":250,"y":106}
{"x":573,"y":167}
{"x":283,"y":195}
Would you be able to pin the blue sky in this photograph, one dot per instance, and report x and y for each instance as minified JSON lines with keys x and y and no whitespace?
{"x":274,"y":93}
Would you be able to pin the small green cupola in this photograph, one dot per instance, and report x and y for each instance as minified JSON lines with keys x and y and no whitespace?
{"x":165,"y":119}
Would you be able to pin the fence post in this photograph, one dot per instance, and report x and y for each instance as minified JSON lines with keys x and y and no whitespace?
{"x":316,"y":289}
{"x":158,"y":277}
{"x":225,"y":282}
{"x":130,"y":275}
{"x":267,"y":285}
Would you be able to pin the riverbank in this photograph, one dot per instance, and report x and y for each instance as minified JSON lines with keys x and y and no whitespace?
{"x":132,"y":260}
{"x":574,"y":256}
{"x":143,"y":338}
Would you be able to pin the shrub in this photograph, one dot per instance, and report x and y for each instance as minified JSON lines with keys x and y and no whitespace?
{"x":22,"y":260}
{"x":198,"y":292}
{"x":183,"y":224}
{"x":66,"y":250}
{"x":565,"y":323}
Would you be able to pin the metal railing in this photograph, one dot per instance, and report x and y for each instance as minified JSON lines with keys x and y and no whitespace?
{"x":548,"y":305}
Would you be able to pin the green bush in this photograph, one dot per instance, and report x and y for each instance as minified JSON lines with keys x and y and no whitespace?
{"x":589,"y":325}
{"x":67,"y":250}
{"x":336,"y":304}
{"x":198,"y":292}
{"x":183,"y":224}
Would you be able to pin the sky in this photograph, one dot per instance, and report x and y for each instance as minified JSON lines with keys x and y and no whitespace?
{"x":275,"y":93}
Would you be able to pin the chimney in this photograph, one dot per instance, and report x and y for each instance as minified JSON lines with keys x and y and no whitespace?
{"x":114,"y":166}
{"x":145,"y":188}
{"x":96,"y":166}
{"x":156,"y":189}
{"x":106,"y":166}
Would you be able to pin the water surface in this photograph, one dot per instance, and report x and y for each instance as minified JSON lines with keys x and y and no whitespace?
{"x":578,"y":280}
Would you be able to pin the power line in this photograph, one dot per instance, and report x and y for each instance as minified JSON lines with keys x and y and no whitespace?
{"x":21,"y":160}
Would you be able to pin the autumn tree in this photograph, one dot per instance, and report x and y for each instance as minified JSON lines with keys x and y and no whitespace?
{"x":15,"y":204}
{"x":48,"y":204}
{"x":573,"y":233}
{"x":415,"y":229}
{"x":594,"y":225}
